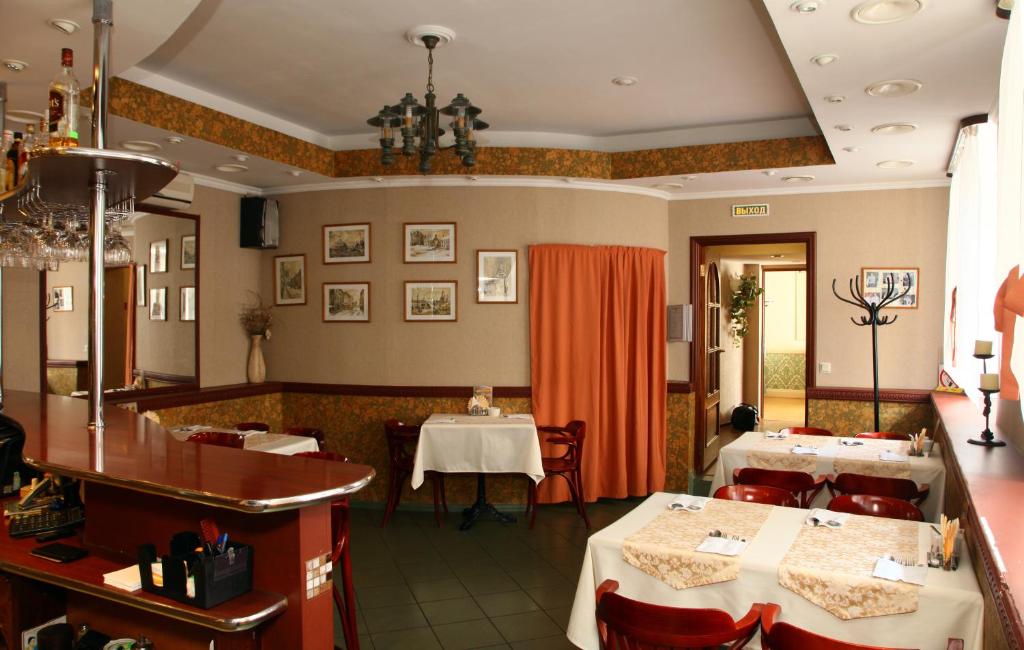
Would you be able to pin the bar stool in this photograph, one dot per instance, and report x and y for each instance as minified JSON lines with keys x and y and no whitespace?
{"x":341,"y":557}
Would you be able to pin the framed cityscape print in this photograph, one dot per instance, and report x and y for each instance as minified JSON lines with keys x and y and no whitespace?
{"x":431,"y":301}
{"x":346,"y":302}
{"x":496,"y":276}
{"x":158,"y":256}
{"x":188,"y":252}
{"x":429,"y":242}
{"x":140,"y":285}
{"x":187,"y":304}
{"x":290,"y":280}
{"x":158,"y":304}
{"x":63,"y":299}
{"x":346,"y":243}
{"x":875,"y":280}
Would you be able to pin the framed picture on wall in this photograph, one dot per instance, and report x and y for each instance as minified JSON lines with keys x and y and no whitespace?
{"x":290,"y":280}
{"x":63,"y":299}
{"x":188,"y":252}
{"x":158,"y":256}
{"x":158,"y":304}
{"x":496,"y":276}
{"x":431,"y":301}
{"x":187,"y":304}
{"x":875,"y":280}
{"x":346,"y":302}
{"x":429,"y":242}
{"x":140,"y":285}
{"x":346,"y":243}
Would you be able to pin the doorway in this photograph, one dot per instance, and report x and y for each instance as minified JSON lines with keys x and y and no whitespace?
{"x":784,"y":347}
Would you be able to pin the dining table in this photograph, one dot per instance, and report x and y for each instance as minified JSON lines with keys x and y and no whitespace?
{"x":271,"y":443}
{"x":835,"y":454}
{"x":478,"y":444}
{"x":821,"y":576}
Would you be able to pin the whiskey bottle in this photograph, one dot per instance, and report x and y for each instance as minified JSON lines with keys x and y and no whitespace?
{"x":63,"y":106}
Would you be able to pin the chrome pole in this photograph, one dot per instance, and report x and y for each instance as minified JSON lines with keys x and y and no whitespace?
{"x":3,"y":126}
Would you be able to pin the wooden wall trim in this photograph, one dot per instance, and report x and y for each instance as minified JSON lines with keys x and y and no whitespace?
{"x":203,"y":395}
{"x":400,"y":391}
{"x":165,"y":377}
{"x":911,"y":395}
{"x":67,"y":363}
{"x":677,"y":387}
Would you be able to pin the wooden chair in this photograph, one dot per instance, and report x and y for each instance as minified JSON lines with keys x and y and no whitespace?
{"x":309,"y":432}
{"x":218,"y":438}
{"x":801,"y":485}
{"x":783,"y":636}
{"x":807,"y":431}
{"x":875,"y":506}
{"x":341,"y":557}
{"x":884,"y":435}
{"x":402,"y":440}
{"x":568,"y":466}
{"x":252,"y":426}
{"x":879,"y":486}
{"x":757,"y":494}
{"x":626,"y":624}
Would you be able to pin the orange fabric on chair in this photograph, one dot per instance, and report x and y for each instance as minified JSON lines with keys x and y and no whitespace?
{"x":597,"y":354}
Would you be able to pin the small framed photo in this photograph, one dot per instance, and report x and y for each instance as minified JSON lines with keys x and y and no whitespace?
{"x":140,"y":285}
{"x":496,"y":276}
{"x":346,"y":243}
{"x":158,"y":256}
{"x":431,"y":301}
{"x":906,"y":282}
{"x":290,"y":280}
{"x":429,"y":242}
{"x":63,"y":299}
{"x":158,"y":304}
{"x":346,"y":302}
{"x":188,"y":252}
{"x":187,"y":304}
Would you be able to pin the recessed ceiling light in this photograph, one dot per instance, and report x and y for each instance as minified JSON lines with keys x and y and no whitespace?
{"x":24,"y":117}
{"x":140,"y":145}
{"x":174,"y":139}
{"x":807,"y":6}
{"x":851,"y":149}
{"x":15,"y":65}
{"x":670,"y":186}
{"x":881,"y":12}
{"x":824,"y":59}
{"x":893,"y":88}
{"x":843,"y":127}
{"x":797,"y":179}
{"x":240,"y":157}
{"x":64,"y":25}
{"x":230,"y":168}
{"x":294,"y":172}
{"x":835,"y":99}
{"x":895,"y":164}
{"x":894,"y":128}
{"x":625,"y":81}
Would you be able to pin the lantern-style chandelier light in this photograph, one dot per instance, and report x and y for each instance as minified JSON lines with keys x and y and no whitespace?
{"x":419,"y":125}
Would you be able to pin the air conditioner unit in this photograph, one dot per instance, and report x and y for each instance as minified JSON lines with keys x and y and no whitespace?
{"x":177,"y":195}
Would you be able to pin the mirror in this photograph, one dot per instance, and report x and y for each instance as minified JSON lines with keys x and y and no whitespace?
{"x":151,"y":311}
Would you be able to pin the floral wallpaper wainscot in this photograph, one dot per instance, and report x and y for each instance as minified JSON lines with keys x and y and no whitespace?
{"x":848,"y":418}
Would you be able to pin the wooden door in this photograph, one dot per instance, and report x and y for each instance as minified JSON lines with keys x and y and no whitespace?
{"x":712,"y":363}
{"x":117,"y":301}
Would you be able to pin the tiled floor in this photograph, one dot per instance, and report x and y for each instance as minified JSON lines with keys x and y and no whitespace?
{"x":495,"y":586}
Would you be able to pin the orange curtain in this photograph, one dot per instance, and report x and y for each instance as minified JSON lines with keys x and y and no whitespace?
{"x":597,"y":354}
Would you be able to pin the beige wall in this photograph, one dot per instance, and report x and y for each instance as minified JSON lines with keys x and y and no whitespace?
{"x":21,"y":329}
{"x":854,"y":229}
{"x":490,"y":343}
{"x":785,"y":311}
{"x":67,"y":332}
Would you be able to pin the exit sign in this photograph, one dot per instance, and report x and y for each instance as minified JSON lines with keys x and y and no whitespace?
{"x":750,"y":210}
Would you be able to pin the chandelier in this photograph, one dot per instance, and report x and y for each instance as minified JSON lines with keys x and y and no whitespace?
{"x":419,"y":125}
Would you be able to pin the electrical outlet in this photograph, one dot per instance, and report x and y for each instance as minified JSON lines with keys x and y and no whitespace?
{"x":825,"y":367}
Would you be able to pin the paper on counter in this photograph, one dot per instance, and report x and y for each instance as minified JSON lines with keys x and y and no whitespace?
{"x":129,"y":578}
{"x":688,"y":503}
{"x":722,"y":546}
{"x":892,"y":456}
{"x":887,"y":569}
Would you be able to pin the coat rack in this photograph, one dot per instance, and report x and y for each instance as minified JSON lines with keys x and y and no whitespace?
{"x":887,"y":296}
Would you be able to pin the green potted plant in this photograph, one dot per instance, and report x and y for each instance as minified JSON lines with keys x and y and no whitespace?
{"x":743,"y":298}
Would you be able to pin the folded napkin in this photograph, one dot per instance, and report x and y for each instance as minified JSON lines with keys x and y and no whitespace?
{"x":891,"y":570}
{"x":892,"y":456}
{"x":689,"y":502}
{"x":722,"y":546}
{"x":775,"y":435}
{"x":443,"y":420}
{"x":850,"y":442}
{"x":518,"y":416}
{"x":827,"y":518}
{"x":805,"y":451}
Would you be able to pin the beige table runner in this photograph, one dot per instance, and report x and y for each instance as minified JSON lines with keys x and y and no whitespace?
{"x":864,"y":459}
{"x":666,"y":547}
{"x":833,"y":458}
{"x":832,"y":567}
{"x":778,"y":453}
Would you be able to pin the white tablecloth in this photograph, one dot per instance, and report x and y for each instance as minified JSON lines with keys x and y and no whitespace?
{"x":272,"y":443}
{"x":950,"y":604}
{"x":468,"y":443}
{"x":928,"y":469}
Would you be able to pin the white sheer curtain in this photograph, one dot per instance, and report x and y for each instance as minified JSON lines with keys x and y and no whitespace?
{"x":1010,"y":119}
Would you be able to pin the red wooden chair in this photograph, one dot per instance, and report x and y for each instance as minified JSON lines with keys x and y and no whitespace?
{"x":801,"y":485}
{"x":626,"y":624}
{"x":309,"y":432}
{"x":218,"y":438}
{"x":568,"y":466}
{"x":783,"y":636}
{"x":341,"y":557}
{"x":874,"y":506}
{"x":884,"y":435}
{"x":757,"y":494}
{"x":252,"y":426}
{"x":806,"y":431}
{"x":402,"y":440}
{"x":879,"y":486}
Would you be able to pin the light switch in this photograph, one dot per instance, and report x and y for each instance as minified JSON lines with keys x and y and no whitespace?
{"x":825,"y":367}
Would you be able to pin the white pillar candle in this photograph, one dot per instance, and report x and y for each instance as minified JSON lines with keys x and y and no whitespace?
{"x":982,"y":348}
{"x":990,"y":381}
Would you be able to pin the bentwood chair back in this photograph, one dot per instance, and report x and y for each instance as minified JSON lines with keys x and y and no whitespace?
{"x":807,"y":431}
{"x":402,"y":440}
{"x":757,"y":494}
{"x":879,"y":486}
{"x":218,"y":438}
{"x":569,"y":466}
{"x":801,"y":485}
{"x":626,"y":624}
{"x":874,"y":506}
{"x":309,"y":432}
{"x":253,"y":426}
{"x":883,"y":435}
{"x":783,"y":636}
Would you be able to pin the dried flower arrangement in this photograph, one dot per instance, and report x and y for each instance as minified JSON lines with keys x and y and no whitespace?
{"x":256,"y":317}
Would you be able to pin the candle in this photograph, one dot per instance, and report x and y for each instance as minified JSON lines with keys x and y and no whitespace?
{"x":990,"y":381}
{"x":982,"y":348}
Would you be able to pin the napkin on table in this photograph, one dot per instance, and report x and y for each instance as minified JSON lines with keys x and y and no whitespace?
{"x":805,"y":451}
{"x":891,"y":570}
{"x":444,"y":420}
{"x":892,"y":456}
{"x":775,"y":435}
{"x":688,"y":502}
{"x":722,"y":546}
{"x":850,"y":442}
{"x":518,"y":416}
{"x":823,"y":515}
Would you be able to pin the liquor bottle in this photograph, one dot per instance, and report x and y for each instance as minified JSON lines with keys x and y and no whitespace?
{"x":42,"y":141}
{"x":12,"y":161}
{"x":63,"y":107}
{"x":27,"y":143}
{"x":6,"y":138}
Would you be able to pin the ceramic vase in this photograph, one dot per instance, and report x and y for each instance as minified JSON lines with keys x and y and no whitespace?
{"x":256,"y":371}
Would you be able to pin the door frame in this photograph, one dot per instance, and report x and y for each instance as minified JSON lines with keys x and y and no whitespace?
{"x":697,"y":356}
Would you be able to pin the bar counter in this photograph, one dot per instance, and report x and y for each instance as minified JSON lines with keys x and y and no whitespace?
{"x":146,"y":486}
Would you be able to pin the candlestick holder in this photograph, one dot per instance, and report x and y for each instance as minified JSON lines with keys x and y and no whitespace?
{"x":987,"y":438}
{"x":984,"y":361}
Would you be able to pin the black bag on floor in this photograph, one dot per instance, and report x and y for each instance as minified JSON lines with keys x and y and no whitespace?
{"x":744,"y":417}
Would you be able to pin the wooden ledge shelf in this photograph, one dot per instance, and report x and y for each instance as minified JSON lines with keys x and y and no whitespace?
{"x":86,"y":576}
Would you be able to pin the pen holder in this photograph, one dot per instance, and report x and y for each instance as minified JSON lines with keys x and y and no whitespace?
{"x":216,"y":578}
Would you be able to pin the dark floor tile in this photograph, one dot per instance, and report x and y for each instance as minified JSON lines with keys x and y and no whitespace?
{"x":427,"y":572}
{"x":421,"y":638}
{"x":384,"y":596}
{"x":526,"y":626}
{"x":547,"y":643}
{"x":395,"y":617}
{"x":469,"y":634}
{"x":438,"y":590}
{"x":439,"y":612}
{"x":489,"y":583}
{"x":552,"y":597}
{"x":531,"y":578}
{"x":509,"y":602}
{"x":560,"y":615}
{"x":380,"y":576}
